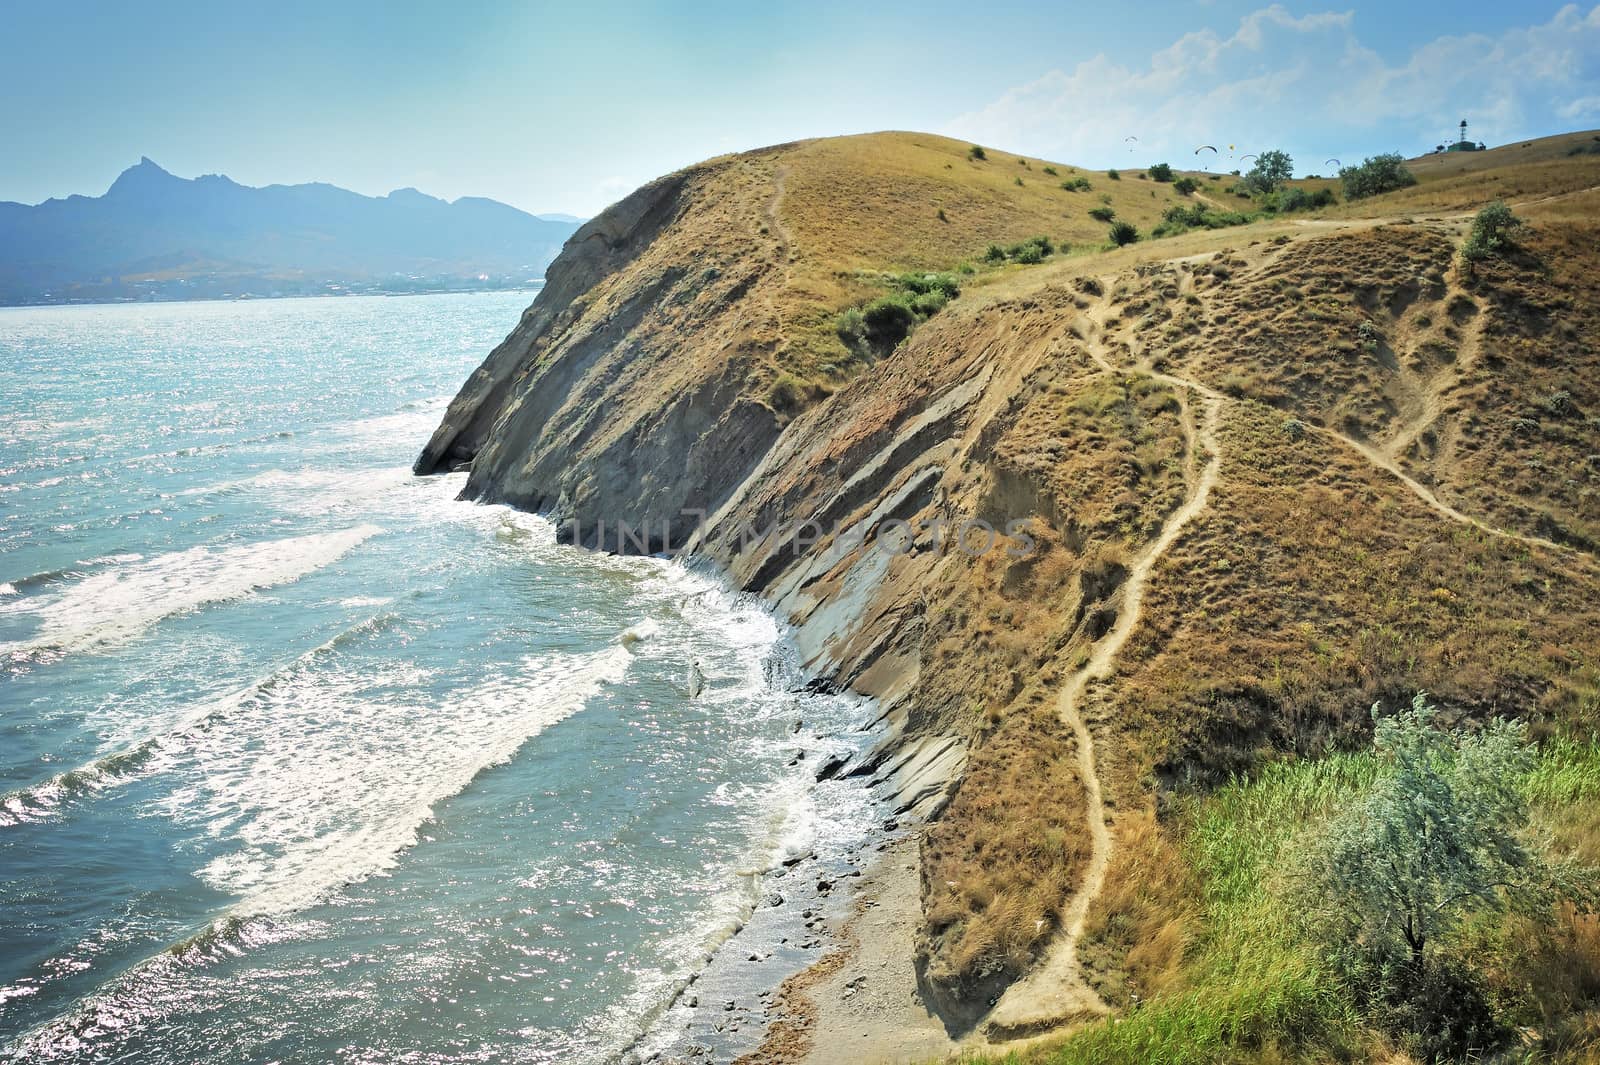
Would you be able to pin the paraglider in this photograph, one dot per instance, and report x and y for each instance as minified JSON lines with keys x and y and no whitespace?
{"x":1126,"y":140}
{"x":1206,"y":148}
{"x":1335,"y":162}
{"x":1244,"y":158}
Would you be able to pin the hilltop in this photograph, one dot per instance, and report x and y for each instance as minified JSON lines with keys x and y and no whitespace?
{"x":1271,"y":473}
{"x":157,"y":235}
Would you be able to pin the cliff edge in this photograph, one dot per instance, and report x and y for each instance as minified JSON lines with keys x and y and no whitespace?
{"x":1107,"y":525}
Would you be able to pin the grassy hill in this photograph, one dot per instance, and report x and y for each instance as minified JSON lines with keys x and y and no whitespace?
{"x":1271,"y":473}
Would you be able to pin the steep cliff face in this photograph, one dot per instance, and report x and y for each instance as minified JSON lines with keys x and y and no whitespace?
{"x":1100,"y":529}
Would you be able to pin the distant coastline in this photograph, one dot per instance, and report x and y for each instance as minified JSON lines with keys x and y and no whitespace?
{"x":198,"y":293}
{"x":156,"y":236}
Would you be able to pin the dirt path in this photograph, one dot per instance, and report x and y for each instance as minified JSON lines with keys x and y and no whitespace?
{"x":773,"y":226}
{"x":1056,"y":992}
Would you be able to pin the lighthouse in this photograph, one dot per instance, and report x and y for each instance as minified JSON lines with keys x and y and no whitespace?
{"x":1462,"y":144}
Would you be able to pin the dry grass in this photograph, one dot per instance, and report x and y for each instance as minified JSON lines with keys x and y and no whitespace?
{"x":1313,"y":584}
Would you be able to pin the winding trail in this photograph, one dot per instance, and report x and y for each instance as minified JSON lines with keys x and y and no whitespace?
{"x":1056,"y":992}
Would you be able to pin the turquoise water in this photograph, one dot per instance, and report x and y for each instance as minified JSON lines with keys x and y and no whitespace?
{"x":301,"y":759}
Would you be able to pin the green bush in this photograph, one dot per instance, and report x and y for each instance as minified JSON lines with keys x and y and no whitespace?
{"x":1490,"y":232}
{"x":1181,"y":219}
{"x":1297,"y":199}
{"x":1077,"y":184}
{"x":1185,"y":186}
{"x":1376,"y":174}
{"x":1113,"y":175}
{"x":878,"y":328}
{"x":945,"y":285}
{"x":1160,"y":172}
{"x":1102,"y":214}
{"x":977,"y":154}
{"x":888,"y":320}
{"x":1051,"y":171}
{"x":1123,"y":233}
{"x":995,"y":254}
{"x":1439,"y":838}
{"x":787,"y":393}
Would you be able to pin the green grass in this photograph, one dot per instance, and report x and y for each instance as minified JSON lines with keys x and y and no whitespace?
{"x":1252,"y":988}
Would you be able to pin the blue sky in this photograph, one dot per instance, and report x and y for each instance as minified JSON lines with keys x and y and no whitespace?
{"x":566,"y":108}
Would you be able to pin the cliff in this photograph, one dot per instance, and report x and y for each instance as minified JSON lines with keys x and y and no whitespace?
{"x":1103,"y":530}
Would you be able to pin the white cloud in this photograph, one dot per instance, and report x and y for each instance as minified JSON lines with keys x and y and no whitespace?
{"x":1308,"y":84}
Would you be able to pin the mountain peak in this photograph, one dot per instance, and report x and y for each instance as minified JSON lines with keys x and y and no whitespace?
{"x":144,"y":175}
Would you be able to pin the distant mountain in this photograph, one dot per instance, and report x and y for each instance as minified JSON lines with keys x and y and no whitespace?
{"x":154,"y":235}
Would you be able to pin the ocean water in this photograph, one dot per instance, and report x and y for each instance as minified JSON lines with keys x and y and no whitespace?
{"x":302,"y":759}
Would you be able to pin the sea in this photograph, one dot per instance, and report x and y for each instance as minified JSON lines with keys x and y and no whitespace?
{"x":305,"y":759}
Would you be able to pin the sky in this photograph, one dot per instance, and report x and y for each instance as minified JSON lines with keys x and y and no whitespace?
{"x":566,"y":108}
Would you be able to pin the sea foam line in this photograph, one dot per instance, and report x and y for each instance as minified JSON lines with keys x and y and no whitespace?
{"x":117,"y":604}
{"x":483,"y":727}
{"x":41,"y":801}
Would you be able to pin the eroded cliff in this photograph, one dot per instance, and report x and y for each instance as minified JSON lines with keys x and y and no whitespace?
{"x":1101,"y":529}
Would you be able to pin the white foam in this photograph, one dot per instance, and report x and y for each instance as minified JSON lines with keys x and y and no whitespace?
{"x":118,"y":603}
{"x":635,"y":634}
{"x":325,"y":780}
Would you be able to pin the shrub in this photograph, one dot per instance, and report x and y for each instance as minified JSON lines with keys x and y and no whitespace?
{"x":1376,"y":174}
{"x":1185,"y":186}
{"x":887,"y":321}
{"x":1051,"y":171}
{"x":1180,"y":219}
{"x":878,"y":328}
{"x":1031,"y":251}
{"x":1123,"y":233}
{"x":945,"y":285}
{"x":1160,"y":172}
{"x":1102,"y":214}
{"x":977,"y":154}
{"x":1441,"y":835}
{"x":1077,"y":184}
{"x":787,"y":393}
{"x":995,"y":254}
{"x":1490,"y":232}
{"x":1019,"y":182}
{"x":940,"y":215}
{"x":1296,"y":199}
{"x":1113,"y":175}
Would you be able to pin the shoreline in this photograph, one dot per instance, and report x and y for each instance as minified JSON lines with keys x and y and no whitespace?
{"x":860,"y":1001}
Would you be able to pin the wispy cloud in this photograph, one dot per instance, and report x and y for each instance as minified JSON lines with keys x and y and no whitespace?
{"x":1306,"y":83}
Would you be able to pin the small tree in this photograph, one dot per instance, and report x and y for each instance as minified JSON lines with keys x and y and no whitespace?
{"x":977,"y":154}
{"x":1272,"y":169}
{"x":1123,"y":233}
{"x":1442,"y":833}
{"x":1161,"y":172}
{"x":1490,"y":233}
